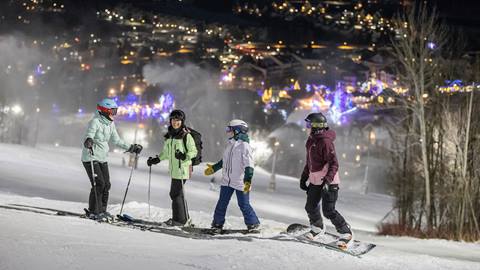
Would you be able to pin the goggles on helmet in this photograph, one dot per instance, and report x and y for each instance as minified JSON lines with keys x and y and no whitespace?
{"x":315,"y":125}
{"x":112,"y":111}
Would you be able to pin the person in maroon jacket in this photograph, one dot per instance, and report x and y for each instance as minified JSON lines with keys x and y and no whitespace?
{"x":321,"y":171}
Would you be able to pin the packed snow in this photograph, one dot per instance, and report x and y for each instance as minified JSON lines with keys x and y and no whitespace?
{"x":54,"y":177}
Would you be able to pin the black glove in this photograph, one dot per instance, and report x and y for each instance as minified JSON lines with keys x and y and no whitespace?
{"x":180,"y":155}
{"x":88,"y":143}
{"x":303,"y":184}
{"x":135,"y":148}
{"x":153,"y":160}
{"x":324,"y":184}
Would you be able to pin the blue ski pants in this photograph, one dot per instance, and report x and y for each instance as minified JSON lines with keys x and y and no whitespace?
{"x":243,"y":200}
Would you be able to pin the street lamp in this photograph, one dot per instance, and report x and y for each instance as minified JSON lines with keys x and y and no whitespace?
{"x":18,"y":112}
{"x":276,"y":144}
{"x":371,"y":139}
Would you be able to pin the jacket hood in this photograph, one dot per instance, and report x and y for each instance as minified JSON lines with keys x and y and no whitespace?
{"x":175,"y":133}
{"x":103,"y":118}
{"x":325,"y":134}
{"x":242,"y":137}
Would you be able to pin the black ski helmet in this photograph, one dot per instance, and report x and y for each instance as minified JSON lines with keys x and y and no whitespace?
{"x":316,"y":120}
{"x":177,"y":114}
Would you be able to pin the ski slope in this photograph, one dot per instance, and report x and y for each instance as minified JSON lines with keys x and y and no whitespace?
{"x":54,"y":177}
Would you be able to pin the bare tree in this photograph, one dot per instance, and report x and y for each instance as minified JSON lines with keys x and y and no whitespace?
{"x":416,"y":47}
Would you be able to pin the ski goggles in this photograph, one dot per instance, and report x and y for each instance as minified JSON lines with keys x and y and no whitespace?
{"x":112,"y":111}
{"x":229,"y":129}
{"x":316,"y":125}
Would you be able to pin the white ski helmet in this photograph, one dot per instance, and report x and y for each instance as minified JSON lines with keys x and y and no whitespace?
{"x":237,"y":126}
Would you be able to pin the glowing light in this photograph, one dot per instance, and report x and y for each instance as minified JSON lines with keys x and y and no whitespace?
{"x":296,"y":86}
{"x":31,"y":80}
{"x":267,"y":95}
{"x":261,"y":150}
{"x":137,"y":90}
{"x":160,"y":111}
{"x":16,"y":109}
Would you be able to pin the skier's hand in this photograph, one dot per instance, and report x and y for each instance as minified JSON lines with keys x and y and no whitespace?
{"x":325,"y":184}
{"x":247,"y":186}
{"x":303,"y":185}
{"x":209,"y":170}
{"x":135,"y":148}
{"x":88,"y":143}
{"x":153,"y":160}
{"x":180,"y":155}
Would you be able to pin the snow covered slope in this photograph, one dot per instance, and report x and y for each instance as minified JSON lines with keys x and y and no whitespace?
{"x":54,"y":177}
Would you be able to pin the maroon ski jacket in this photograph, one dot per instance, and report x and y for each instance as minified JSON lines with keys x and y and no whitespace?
{"x":320,"y":152}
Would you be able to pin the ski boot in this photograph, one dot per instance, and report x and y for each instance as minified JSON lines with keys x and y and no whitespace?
{"x":345,"y":238}
{"x":108,"y":217}
{"x":216,"y":228}
{"x":253,"y":227}
{"x":172,"y":223}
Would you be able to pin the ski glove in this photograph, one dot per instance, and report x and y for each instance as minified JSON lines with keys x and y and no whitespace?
{"x":247,"y":186}
{"x":324,"y":184}
{"x":303,"y":184}
{"x":135,"y":148}
{"x":88,"y":143}
{"x":153,"y":160}
{"x":209,"y":170}
{"x":180,"y":155}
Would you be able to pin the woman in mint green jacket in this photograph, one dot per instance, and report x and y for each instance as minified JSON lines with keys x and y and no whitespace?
{"x":101,"y":130}
{"x":179,"y":149}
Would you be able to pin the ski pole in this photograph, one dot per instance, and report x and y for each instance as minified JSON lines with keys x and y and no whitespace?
{"x":187,"y":216}
{"x":183,"y":192}
{"x":149,"y":180}
{"x":94,"y":181}
{"x":128,"y":184}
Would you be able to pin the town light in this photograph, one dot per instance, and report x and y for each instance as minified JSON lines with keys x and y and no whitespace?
{"x":16,"y":109}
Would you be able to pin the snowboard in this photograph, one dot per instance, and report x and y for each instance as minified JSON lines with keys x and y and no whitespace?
{"x":355,"y":248}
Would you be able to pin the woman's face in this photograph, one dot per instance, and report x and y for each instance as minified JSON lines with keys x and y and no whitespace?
{"x":176,"y":123}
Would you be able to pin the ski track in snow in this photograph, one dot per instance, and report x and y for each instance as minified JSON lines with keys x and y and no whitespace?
{"x":32,"y":241}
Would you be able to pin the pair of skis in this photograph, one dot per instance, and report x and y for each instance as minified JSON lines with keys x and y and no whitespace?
{"x":190,"y":228}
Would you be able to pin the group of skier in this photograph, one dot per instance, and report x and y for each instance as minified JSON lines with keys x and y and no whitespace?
{"x":319,"y":178}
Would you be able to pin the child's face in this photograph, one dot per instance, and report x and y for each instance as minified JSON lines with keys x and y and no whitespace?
{"x":176,"y":123}
{"x":230,"y":134}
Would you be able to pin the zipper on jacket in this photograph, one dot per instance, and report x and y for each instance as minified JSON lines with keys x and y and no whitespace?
{"x":310,"y":157}
{"x":229,"y":167}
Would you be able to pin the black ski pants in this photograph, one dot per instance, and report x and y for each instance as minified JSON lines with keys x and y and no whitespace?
{"x":179,"y":204}
{"x":98,"y":204}
{"x":328,"y":197}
